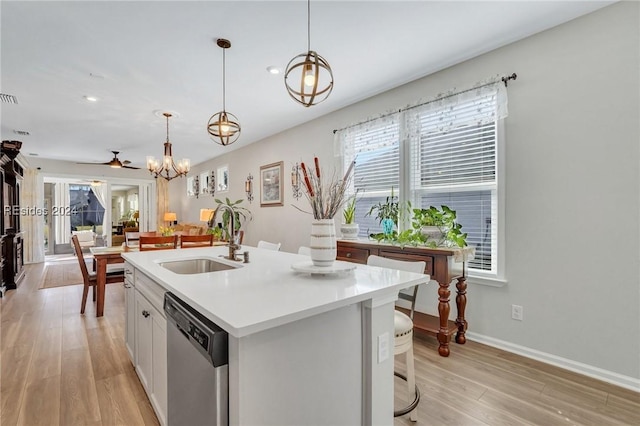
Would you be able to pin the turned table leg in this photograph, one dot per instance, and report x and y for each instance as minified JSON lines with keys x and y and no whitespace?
{"x":443,"y":311}
{"x":461,"y":304}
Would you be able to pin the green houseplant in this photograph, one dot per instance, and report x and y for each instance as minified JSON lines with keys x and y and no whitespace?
{"x":239,"y":212}
{"x":438,"y":226}
{"x":349,"y":228}
{"x":387,"y":213}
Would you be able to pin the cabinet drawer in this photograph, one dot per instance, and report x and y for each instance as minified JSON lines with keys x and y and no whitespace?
{"x":410,"y":257}
{"x":353,"y":254}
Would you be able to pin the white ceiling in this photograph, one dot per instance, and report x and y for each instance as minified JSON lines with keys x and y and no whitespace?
{"x":144,"y":57}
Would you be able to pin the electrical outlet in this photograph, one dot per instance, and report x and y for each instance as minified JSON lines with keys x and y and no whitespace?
{"x":383,"y":347}
{"x":517,"y":312}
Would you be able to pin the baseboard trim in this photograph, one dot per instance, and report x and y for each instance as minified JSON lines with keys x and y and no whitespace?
{"x":617,"y":379}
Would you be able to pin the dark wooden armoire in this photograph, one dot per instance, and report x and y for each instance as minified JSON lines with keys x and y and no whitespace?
{"x":11,"y":238}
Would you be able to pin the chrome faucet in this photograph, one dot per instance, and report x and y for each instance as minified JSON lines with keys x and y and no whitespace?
{"x":232,"y":231}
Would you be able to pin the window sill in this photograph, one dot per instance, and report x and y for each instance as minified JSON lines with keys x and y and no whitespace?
{"x":492,"y":281}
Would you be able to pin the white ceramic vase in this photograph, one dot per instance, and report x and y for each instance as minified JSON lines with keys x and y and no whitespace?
{"x":350,"y":231}
{"x":323,"y":242}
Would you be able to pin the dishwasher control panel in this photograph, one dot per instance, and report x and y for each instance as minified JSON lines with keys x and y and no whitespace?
{"x":208,"y":338}
{"x":201,"y":337}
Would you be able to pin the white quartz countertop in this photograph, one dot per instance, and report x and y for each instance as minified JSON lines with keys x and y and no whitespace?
{"x":266,"y":292}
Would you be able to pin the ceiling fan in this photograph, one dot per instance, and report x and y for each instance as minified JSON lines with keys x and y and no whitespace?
{"x":115,"y":163}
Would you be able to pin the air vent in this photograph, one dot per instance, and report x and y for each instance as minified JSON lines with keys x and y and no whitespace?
{"x":21,"y":132}
{"x":8,"y":99}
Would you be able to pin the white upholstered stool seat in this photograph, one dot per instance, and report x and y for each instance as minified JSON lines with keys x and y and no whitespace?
{"x":403,"y":330}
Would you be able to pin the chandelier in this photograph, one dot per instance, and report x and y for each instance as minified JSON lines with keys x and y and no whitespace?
{"x":308,"y":77}
{"x":168,"y":166}
{"x":223,"y":127}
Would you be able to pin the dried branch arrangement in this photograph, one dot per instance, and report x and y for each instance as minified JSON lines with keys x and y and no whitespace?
{"x":326,"y":196}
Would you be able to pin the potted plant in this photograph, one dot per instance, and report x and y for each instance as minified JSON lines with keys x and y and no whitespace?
{"x":240,"y":212}
{"x":439,"y":226}
{"x":387,"y":213}
{"x":216,"y":232}
{"x":349,"y":228}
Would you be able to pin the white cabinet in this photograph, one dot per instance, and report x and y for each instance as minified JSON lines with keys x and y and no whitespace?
{"x":144,"y":343}
{"x":146,"y":339}
{"x":129,"y":302}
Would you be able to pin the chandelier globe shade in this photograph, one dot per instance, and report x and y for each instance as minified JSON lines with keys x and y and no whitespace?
{"x":308,"y":77}
{"x":167,"y":168}
{"x":224,"y":127}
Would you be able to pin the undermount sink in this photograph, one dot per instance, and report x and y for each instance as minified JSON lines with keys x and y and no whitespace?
{"x":195,"y":266}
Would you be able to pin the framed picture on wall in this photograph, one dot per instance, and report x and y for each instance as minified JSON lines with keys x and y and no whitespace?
{"x":271,"y":188}
{"x":192,"y":186}
{"x":204,"y":183}
{"x":223,"y":178}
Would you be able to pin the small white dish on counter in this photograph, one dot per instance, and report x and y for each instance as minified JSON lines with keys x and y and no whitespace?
{"x":336,"y":268}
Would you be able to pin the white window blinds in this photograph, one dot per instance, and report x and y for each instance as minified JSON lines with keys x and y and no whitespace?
{"x":446,"y":150}
{"x":375,"y":146}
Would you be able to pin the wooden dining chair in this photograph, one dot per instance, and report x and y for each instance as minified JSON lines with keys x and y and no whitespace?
{"x":131,"y":239}
{"x":90,"y":278}
{"x":158,"y":242}
{"x":190,"y":241}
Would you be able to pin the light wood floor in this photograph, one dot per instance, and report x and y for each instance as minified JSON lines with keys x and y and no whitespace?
{"x":62,"y":368}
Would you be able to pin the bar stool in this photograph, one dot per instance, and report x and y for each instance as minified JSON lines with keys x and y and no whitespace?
{"x":403,"y":329}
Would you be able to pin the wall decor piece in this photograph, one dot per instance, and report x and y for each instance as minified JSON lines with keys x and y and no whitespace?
{"x":223,"y":178}
{"x":208,"y":183}
{"x":295,"y":181}
{"x":192,"y":186}
{"x":271,"y":189}
{"x":248,"y":187}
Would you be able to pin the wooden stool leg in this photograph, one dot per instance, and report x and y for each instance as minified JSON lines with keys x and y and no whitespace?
{"x":411,"y":381}
{"x":94,"y":292}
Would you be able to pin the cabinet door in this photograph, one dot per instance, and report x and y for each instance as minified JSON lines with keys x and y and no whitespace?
{"x":159,"y":379}
{"x":144,"y":342}
{"x":129,"y":320}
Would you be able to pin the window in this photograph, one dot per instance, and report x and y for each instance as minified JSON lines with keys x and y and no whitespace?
{"x":85,"y":209}
{"x":440,"y":152}
{"x":376,"y":145}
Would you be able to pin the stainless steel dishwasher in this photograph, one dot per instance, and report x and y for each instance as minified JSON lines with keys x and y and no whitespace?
{"x":197,"y":364}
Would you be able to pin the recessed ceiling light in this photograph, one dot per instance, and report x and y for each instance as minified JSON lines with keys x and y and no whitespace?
{"x":273,"y":70}
{"x":91,"y":98}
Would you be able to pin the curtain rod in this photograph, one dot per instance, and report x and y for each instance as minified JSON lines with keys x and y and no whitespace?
{"x":504,"y":79}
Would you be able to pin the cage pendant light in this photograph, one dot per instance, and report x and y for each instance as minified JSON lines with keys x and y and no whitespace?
{"x":308,"y":77}
{"x":223,"y":127}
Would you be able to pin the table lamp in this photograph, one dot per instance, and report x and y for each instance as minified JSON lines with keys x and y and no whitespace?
{"x":206,"y":215}
{"x":170,"y":217}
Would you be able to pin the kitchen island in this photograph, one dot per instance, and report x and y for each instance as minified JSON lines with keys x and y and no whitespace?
{"x":303,"y":348}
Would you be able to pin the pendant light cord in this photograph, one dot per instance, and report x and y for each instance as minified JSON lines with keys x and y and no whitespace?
{"x":224,"y":78}
{"x":167,"y":128}
{"x":308,"y":25}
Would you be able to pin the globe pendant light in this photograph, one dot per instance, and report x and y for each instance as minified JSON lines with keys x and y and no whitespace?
{"x":308,"y":78}
{"x":223,"y":127}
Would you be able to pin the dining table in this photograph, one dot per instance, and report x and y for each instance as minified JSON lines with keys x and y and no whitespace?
{"x":104,"y":256}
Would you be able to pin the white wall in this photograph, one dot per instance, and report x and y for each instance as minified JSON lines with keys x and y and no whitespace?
{"x":572,"y":191}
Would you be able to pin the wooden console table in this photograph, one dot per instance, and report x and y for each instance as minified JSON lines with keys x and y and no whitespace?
{"x":441,"y":266}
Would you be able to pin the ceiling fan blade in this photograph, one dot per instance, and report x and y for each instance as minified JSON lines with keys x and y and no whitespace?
{"x":131,"y":167}
{"x":98,"y":164}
